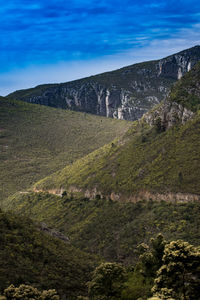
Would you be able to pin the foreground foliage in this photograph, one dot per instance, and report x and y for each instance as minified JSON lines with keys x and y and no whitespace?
{"x":175,"y":274}
{"x":179,"y":275}
{"x":107,"y":282}
{"x":26,"y":292}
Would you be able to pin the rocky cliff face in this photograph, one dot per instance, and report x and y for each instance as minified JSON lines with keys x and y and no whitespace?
{"x":169,"y":114}
{"x":127,"y":93}
{"x":181,"y":105}
{"x":175,"y":66}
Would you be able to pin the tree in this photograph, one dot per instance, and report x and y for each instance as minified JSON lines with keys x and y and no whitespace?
{"x":24,"y":292}
{"x":107,"y":282}
{"x":163,"y":298}
{"x":140,"y":281}
{"x":164,"y":294}
{"x":179,"y":276}
{"x":49,"y":295}
{"x":150,"y":259}
{"x":27,"y":292}
{"x":136,"y":286}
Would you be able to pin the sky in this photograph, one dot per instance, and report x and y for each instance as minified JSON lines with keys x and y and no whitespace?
{"x":51,"y":41}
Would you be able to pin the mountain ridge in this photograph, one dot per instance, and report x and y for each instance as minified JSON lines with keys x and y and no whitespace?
{"x":126,"y":93}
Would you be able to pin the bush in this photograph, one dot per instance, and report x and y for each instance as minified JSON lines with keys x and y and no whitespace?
{"x":27,"y":292}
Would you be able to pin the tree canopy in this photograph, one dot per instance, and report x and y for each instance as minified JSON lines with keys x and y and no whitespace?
{"x":179,"y":275}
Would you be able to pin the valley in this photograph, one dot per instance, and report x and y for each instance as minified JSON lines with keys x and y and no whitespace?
{"x":99,"y":208}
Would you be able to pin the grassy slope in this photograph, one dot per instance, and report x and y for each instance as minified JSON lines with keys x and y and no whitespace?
{"x":29,"y":256}
{"x":146,"y":161}
{"x":108,"y":228}
{"x":36,"y":141}
{"x":143,"y":159}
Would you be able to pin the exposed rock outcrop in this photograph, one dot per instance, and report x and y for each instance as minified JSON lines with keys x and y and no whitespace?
{"x":127,"y":93}
{"x":169,"y":113}
{"x":54,"y":233}
{"x":175,"y":66}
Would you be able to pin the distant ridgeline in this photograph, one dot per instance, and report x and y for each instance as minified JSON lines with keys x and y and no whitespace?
{"x":126,"y":93}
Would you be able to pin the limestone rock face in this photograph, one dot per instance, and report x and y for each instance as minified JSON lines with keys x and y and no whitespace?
{"x":170,"y":113}
{"x":127,"y":93}
{"x":177,"y":65}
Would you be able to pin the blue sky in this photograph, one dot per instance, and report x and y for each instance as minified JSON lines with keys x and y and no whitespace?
{"x":57,"y":41}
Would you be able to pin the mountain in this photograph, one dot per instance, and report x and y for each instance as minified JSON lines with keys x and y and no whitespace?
{"x":37,"y":140}
{"x":30,"y":256}
{"x":126,"y":93}
{"x":157,"y":158}
{"x":126,"y":192}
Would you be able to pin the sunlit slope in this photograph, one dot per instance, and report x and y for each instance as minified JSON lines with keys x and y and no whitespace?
{"x":148,"y":158}
{"x":36,"y":141}
{"x":166,"y":162}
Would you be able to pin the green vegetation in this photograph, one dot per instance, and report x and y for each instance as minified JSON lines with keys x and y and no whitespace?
{"x":107,"y":281}
{"x":179,"y":275}
{"x":187,"y":91}
{"x":146,"y":243}
{"x":145,"y":159}
{"x":29,"y":256}
{"x":177,"y":278}
{"x":27,"y":292}
{"x":36,"y":141}
{"x":35,"y":262}
{"x":112,"y":230}
{"x":142,"y":161}
{"x":141,"y":279}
